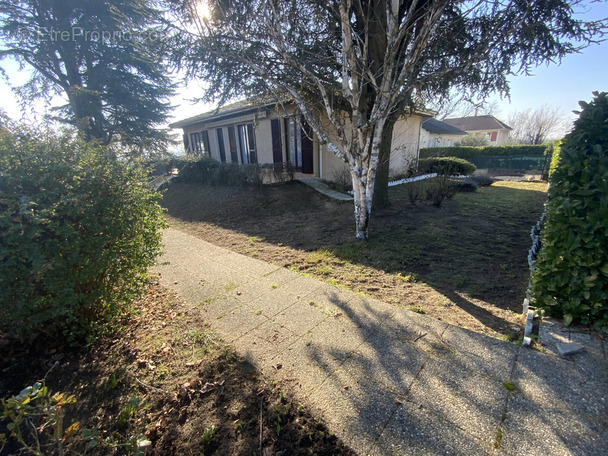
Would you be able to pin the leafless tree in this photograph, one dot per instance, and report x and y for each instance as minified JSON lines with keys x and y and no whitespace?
{"x":535,"y":126}
{"x":462,"y":105}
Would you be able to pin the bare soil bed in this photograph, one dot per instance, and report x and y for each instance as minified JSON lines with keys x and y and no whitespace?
{"x":464,"y":263}
{"x":165,"y":380}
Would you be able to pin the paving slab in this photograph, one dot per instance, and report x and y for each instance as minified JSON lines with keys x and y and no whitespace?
{"x":465,"y":397}
{"x":394,"y":363}
{"x":416,"y":430}
{"x":535,"y":429}
{"x":324,"y":189}
{"x":357,"y":411}
{"x":479,"y":352}
{"x":306,"y":364}
{"x":338,"y":336}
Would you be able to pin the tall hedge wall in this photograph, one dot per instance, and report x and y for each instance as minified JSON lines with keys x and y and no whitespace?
{"x":570,"y":279}
{"x":469,"y":152}
{"x":78,"y":231}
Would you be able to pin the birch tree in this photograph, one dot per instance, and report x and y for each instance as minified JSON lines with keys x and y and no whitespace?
{"x":353,"y":67}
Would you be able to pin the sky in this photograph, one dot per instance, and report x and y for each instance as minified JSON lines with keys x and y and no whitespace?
{"x":555,"y":85}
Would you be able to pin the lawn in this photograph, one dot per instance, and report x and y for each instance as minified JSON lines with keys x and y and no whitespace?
{"x":464,"y":263}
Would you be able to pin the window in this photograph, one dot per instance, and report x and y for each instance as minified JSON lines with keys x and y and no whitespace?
{"x":220,"y":144}
{"x":293,"y":142}
{"x":199,"y":143}
{"x":247,"y":143}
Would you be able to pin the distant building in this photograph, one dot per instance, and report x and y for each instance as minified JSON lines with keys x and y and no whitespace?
{"x":435,"y":133}
{"x":496,"y":131}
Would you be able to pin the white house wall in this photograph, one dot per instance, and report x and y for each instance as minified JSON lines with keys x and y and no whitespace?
{"x":405,"y":150}
{"x":501,"y":136}
{"x":428,"y":139}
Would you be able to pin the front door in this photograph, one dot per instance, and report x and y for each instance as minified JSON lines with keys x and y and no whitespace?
{"x":298,"y":145}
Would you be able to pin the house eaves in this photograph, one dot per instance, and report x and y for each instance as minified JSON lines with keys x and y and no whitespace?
{"x":247,"y":107}
{"x":477,"y":123}
{"x":433,"y":125}
{"x":237,"y":109}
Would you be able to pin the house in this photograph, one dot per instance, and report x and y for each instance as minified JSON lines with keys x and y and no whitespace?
{"x":436,"y":133}
{"x":245,"y":132}
{"x":496,"y":131}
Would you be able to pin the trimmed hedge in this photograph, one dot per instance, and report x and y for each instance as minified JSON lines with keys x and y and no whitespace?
{"x":570,"y":279}
{"x":446,"y":166}
{"x":555,"y":149}
{"x":79,"y":231}
{"x":469,"y":152}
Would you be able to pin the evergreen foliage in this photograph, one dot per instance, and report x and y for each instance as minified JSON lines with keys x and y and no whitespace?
{"x":104,"y":57}
{"x":469,"y":152}
{"x":570,"y":279}
{"x":446,"y":166}
{"x":79,"y":229}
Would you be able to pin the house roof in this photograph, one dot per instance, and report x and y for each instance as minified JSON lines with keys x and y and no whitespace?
{"x":244,"y":107}
{"x":476,"y":123}
{"x":433,"y":125}
{"x":227,"y":111}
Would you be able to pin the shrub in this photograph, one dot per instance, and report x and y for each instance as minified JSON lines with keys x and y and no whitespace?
{"x":341,"y":176}
{"x":211,"y":172}
{"x":199,"y":169}
{"x":438,"y":189}
{"x":570,"y":279}
{"x":467,"y":185}
{"x":446,"y":166}
{"x":79,"y":230}
{"x":488,"y":151}
{"x":163,"y":166}
{"x":482,"y":180}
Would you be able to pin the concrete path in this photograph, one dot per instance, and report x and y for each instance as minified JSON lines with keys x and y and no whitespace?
{"x":323,"y":188}
{"x":389,"y":381}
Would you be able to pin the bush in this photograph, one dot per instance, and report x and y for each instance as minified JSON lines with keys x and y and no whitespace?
{"x":482,"y":180}
{"x":488,"y":151}
{"x":199,"y":169}
{"x":163,"y":166}
{"x":467,"y":185}
{"x":211,"y":172}
{"x":570,"y":279}
{"x":439,"y":189}
{"x":79,"y":231}
{"x":446,"y":166}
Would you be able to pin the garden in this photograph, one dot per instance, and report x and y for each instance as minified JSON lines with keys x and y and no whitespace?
{"x":464,"y":262}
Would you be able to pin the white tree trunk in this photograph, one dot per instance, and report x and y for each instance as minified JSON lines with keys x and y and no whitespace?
{"x":364,"y":180}
{"x":362,"y":209}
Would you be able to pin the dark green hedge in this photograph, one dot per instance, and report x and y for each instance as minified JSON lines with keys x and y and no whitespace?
{"x":446,"y":166}
{"x":79,"y":230}
{"x":570,"y":279}
{"x":468,"y":153}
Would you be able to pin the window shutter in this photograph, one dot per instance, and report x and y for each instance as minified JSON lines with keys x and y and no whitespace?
{"x":277,"y":147}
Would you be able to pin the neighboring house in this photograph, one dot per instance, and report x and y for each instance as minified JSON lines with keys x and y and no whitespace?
{"x":244,"y":132}
{"x":436,"y":133}
{"x":496,"y":131}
